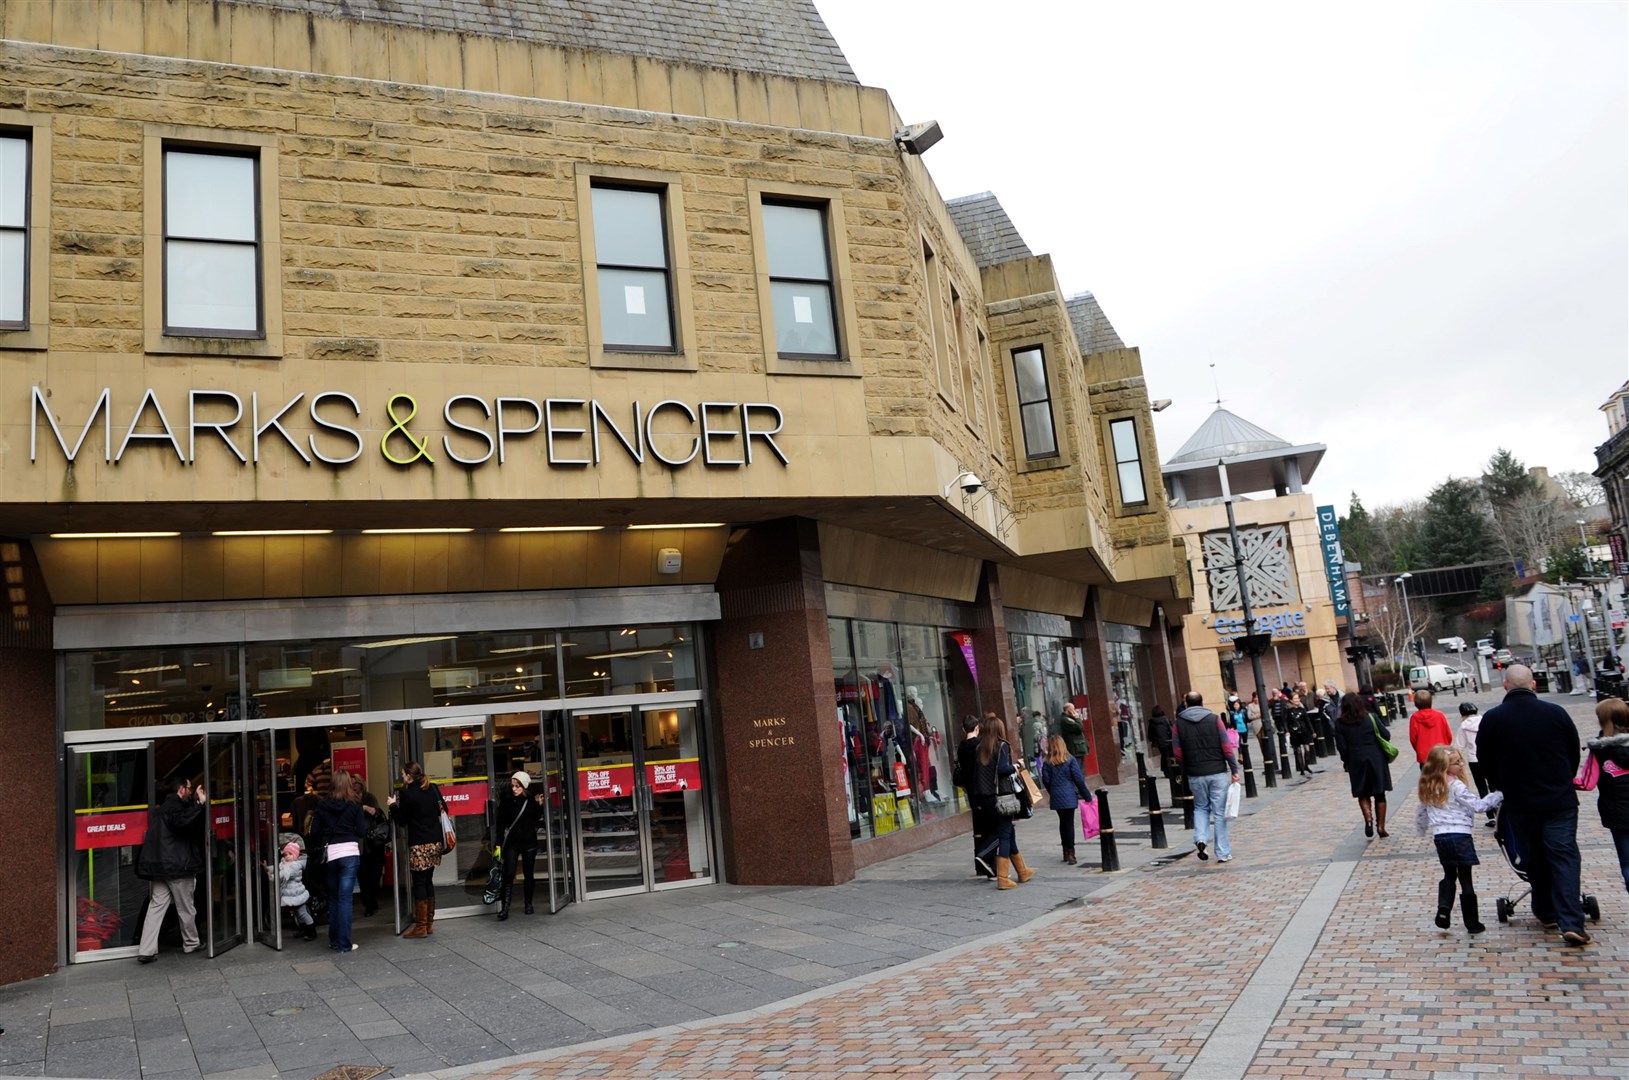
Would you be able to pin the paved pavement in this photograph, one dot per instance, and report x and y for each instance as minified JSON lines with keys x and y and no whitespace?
{"x":1311,"y":953}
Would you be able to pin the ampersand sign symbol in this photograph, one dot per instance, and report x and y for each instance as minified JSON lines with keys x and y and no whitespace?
{"x":421,"y":447}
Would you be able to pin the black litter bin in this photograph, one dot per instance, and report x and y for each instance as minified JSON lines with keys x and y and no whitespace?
{"x":1541,"y":682}
{"x":1563,"y":682}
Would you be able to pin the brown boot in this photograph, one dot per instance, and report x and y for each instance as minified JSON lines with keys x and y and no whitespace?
{"x":430,"y":919}
{"x":1004,"y":874}
{"x":421,"y":920}
{"x":1024,"y":872}
{"x":1380,"y":819}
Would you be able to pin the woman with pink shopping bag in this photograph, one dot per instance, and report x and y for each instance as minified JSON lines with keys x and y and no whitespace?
{"x":1065,"y":786}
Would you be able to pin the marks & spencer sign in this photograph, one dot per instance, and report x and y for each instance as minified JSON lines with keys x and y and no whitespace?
{"x":574,"y":432}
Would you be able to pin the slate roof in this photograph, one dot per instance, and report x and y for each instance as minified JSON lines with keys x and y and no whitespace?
{"x":1093,"y":331}
{"x":778,"y":37}
{"x":1224,"y":435}
{"x":987,"y":230}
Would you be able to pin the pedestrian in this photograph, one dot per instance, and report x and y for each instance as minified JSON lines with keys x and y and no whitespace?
{"x":1205,"y":752}
{"x":371,"y":871}
{"x":516,"y":828}
{"x":1357,"y":741}
{"x":1330,"y":710}
{"x":1427,"y":727}
{"x":1531,"y":753}
{"x":291,"y":890}
{"x":1447,"y":808}
{"x":1606,"y":770}
{"x":1237,"y":718}
{"x":1073,"y":732}
{"x":994,"y":776}
{"x":317,"y":783}
{"x":1300,"y":732}
{"x":171,"y":858}
{"x":1159,"y":737}
{"x":338,"y":829}
{"x":416,"y":809}
{"x":1065,"y":786}
{"x":1465,"y":742}
{"x":962,"y":775}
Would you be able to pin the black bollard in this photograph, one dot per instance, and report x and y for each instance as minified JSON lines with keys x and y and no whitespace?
{"x":1249,"y":773}
{"x":1322,"y":736}
{"x":1283,"y":754}
{"x":1187,"y":803}
{"x":1142,"y":778}
{"x":1105,"y":836}
{"x":1156,"y":816}
{"x":1269,"y":766}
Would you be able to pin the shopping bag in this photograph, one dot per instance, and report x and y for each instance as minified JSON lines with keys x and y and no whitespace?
{"x":1089,"y":826}
{"x":1029,"y":786}
{"x":1233,"y":800}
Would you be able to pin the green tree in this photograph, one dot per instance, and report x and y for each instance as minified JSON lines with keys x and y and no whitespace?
{"x":1566,"y":563}
{"x":1506,"y":479}
{"x":1357,"y":531}
{"x":1454,"y":531}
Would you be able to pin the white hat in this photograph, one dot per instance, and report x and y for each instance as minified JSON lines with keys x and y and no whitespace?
{"x":523,"y":778}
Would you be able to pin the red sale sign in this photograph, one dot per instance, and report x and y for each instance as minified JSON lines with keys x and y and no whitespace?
{"x":223,"y":818}
{"x":109,"y":830}
{"x":464,"y":799}
{"x":604,"y":781}
{"x":353,"y":759}
{"x":682,"y":774}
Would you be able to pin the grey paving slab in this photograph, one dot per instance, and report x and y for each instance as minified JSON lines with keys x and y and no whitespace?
{"x":113,"y":1057}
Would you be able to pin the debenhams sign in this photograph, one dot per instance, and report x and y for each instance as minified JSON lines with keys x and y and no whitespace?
{"x":574,"y":431}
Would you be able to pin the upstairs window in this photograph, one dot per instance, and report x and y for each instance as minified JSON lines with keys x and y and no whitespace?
{"x":1034,"y":402}
{"x":1128,"y":461}
{"x":212,"y":257}
{"x":632,"y":261}
{"x":800,"y":280}
{"x":14,"y":195}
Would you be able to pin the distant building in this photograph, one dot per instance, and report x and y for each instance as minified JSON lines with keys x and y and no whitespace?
{"x":1612,"y":470}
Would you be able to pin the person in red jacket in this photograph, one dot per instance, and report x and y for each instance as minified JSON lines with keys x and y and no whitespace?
{"x":1427,"y":727}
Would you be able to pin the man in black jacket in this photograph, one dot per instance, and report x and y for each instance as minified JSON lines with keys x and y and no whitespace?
{"x":1204,"y":751}
{"x":172,"y":857}
{"x":1530,"y":751}
{"x":966,"y":768}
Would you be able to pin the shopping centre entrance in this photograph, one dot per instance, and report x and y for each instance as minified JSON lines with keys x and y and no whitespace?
{"x":626,"y":808}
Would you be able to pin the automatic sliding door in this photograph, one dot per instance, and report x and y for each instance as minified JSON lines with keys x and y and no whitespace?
{"x":674,"y":801}
{"x":556,"y":844}
{"x":457,"y":757}
{"x":223,"y":843}
{"x":266,"y":853}
{"x":612,"y":853}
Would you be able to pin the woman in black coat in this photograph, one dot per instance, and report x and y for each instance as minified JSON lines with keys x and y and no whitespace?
{"x":338,"y":827}
{"x":994,"y":775}
{"x":516,"y":834}
{"x":1366,"y":766}
{"x":416,"y":809}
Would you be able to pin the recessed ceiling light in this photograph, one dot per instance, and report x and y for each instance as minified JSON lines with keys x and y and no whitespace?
{"x":683,"y":525}
{"x":551,"y":528}
{"x":271,"y":532}
{"x":411,"y":532}
{"x":113,"y":535}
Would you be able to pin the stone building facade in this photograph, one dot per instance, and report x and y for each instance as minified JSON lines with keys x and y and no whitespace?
{"x":604,"y":394}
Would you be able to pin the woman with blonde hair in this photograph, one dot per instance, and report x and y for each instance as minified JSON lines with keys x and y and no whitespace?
{"x":1065,"y":785}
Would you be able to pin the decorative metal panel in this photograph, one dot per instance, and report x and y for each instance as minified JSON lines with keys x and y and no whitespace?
{"x":1267,"y":568}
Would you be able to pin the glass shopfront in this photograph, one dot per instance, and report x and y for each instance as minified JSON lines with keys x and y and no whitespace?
{"x":263,"y":726}
{"x":902,"y":690}
{"x":1047,"y":673}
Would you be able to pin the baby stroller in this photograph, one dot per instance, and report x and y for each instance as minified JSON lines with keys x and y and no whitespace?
{"x":1505,"y":907}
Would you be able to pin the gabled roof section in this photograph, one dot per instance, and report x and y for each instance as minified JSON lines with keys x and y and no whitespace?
{"x":987,"y":230}
{"x":1093,"y":331}
{"x":1224,"y":435}
{"x":777,"y":37}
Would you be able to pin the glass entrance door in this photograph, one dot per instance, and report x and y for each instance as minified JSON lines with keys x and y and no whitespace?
{"x":265,"y":853}
{"x":456,"y":754}
{"x":555,"y":847}
{"x":110,"y":794}
{"x":224,"y":894}
{"x":641,"y":807}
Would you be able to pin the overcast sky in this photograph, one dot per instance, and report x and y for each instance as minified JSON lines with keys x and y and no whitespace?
{"x":1401,"y":230}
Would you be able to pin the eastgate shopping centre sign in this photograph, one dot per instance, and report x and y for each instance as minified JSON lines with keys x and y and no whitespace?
{"x":576,"y":432}
{"x":1277,"y":623}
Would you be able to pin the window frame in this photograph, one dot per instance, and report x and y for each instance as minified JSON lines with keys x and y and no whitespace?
{"x":683,"y":354}
{"x":33,"y":332}
{"x":161,"y":337}
{"x":171,"y":330}
{"x":830,"y":200}
{"x":944,"y":368}
{"x":1112,"y":457}
{"x":1028,"y":460}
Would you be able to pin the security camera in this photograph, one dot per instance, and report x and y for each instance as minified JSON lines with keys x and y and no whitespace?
{"x":970,"y":483}
{"x":1160,"y":404}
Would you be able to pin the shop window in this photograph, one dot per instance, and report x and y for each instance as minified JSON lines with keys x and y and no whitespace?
{"x":1034,"y":402}
{"x":629,"y":660}
{"x":1047,"y":672}
{"x":212,"y":280}
{"x":631,"y":263}
{"x":800,"y":280}
{"x":1128,"y":461}
{"x":25,"y":178}
{"x":146,"y":687}
{"x":211,"y":244}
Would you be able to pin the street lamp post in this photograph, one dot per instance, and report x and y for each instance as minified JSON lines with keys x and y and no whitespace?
{"x":1408,"y":612}
{"x":1267,"y":730}
{"x":1583,"y":542}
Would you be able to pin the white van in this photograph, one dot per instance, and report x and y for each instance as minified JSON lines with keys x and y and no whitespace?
{"x":1436,"y":678}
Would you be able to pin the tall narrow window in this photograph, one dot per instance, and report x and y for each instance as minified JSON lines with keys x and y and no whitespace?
{"x":1034,"y":402}
{"x":800,"y":280}
{"x":1128,"y":461}
{"x":964,"y":357}
{"x":13,"y":232}
{"x":936,"y":320}
{"x":212,"y":244}
{"x":630,"y":248}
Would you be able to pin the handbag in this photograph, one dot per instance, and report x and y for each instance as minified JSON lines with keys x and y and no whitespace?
{"x":1009,"y":803}
{"x":1386,"y":748}
{"x":1090,"y":824}
{"x":378,"y":834}
{"x":449,"y":835}
{"x":1232,"y":810}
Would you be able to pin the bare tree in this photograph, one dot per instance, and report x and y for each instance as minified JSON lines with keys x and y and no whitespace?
{"x":1582,"y":488}
{"x":1527,"y":528}
{"x":1388,"y":621}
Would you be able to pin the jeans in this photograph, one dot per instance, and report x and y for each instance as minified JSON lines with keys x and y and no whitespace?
{"x":341,"y":884}
{"x":1620,"y":840}
{"x":1553,"y":864}
{"x":1210,"y":810}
